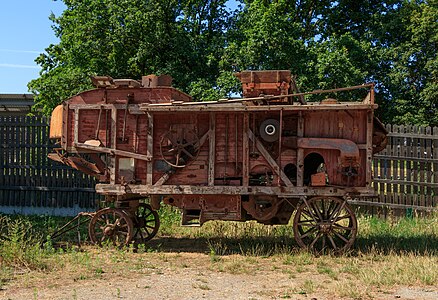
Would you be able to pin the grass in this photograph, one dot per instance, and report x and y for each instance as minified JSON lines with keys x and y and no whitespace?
{"x":387,"y":253}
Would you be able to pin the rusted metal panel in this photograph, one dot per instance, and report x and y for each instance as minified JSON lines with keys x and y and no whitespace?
{"x":56,"y":122}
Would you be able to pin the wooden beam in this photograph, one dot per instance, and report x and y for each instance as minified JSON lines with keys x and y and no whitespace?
{"x":300,"y":152}
{"x":113,"y":162}
{"x":369,"y":150}
{"x":212,"y":149}
{"x":281,"y":191}
{"x":245,"y":150}
{"x":113,"y":151}
{"x":269,"y":159}
{"x":150,"y":148}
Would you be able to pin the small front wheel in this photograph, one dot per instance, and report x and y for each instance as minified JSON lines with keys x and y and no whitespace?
{"x":146,"y":223}
{"x":324,"y":224}
{"x":111,"y":225}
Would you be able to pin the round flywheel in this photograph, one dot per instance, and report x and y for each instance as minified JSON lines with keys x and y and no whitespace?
{"x":179,"y":147}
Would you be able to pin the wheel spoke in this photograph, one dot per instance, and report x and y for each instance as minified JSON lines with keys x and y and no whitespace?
{"x":316,"y":239}
{"x":318,"y":212}
{"x":308,"y":232}
{"x":341,"y":218}
{"x":337,"y":226}
{"x":332,"y":242}
{"x":337,"y":211}
{"x":310,"y":212}
{"x":307,"y":222}
{"x":177,"y":158}
{"x":340,"y":236}
{"x":324,"y":238}
{"x":187,"y":152}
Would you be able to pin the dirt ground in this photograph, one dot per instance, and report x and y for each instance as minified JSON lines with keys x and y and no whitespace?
{"x":191,"y":276}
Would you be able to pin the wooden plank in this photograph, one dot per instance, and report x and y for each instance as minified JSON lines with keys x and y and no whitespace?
{"x":409,"y":164}
{"x":212,"y":149}
{"x":300,"y":152}
{"x":428,"y":167}
{"x":392,"y":205}
{"x":422,"y":168}
{"x":413,"y":134}
{"x":292,"y":191}
{"x":150,"y":149}
{"x":395,"y":174}
{"x":112,"y":159}
{"x":435,"y":168}
{"x":402,"y":153}
{"x":415,"y":166}
{"x":245,"y":150}
{"x":369,"y":151}
{"x":238,"y":107}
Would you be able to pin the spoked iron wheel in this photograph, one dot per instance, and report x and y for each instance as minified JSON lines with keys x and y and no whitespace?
{"x":112,"y":226}
{"x":146,"y":223}
{"x":325,"y":224}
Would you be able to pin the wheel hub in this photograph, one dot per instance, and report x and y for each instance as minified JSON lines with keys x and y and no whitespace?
{"x":108,"y":231}
{"x":325,"y":228}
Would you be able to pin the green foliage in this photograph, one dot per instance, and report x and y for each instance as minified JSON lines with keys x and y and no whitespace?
{"x":327,"y":44}
{"x":20,"y":245}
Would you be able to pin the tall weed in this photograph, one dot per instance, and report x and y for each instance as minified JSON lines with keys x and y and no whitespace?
{"x":20,"y":245}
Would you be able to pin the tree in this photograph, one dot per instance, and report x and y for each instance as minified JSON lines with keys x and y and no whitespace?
{"x":327,"y":44}
{"x":128,"y":39}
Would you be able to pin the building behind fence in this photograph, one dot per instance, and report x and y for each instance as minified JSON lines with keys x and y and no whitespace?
{"x":405,"y":174}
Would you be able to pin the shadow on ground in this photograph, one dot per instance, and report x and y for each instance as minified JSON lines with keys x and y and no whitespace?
{"x":267,"y":246}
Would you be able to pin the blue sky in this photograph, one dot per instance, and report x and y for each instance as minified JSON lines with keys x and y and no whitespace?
{"x":25,"y":31}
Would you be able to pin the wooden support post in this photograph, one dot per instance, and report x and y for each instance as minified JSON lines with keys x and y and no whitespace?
{"x":265,"y":153}
{"x":76,"y":126}
{"x":369,"y":151}
{"x":212,"y":149}
{"x":245,"y":150}
{"x":150,"y":149}
{"x":280,"y":140}
{"x":300,"y":151}
{"x":113,"y":161}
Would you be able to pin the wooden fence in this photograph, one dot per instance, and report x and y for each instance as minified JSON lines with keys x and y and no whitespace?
{"x":30,"y":183}
{"x":405,"y":174}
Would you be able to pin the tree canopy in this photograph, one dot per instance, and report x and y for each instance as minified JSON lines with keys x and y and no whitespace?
{"x":327,"y":44}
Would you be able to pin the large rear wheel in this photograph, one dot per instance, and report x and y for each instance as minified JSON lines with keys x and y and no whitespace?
{"x":324,"y":225}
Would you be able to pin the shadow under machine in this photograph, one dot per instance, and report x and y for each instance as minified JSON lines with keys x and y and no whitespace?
{"x":261,"y":157}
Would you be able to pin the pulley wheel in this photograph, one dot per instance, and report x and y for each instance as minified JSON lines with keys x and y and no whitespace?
{"x":270,"y":130}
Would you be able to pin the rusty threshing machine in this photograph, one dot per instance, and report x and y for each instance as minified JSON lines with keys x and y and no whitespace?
{"x":261,"y":157}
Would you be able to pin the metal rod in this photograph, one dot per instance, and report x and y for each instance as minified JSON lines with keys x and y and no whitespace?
{"x":267,"y":97}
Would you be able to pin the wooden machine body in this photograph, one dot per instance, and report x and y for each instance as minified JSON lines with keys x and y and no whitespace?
{"x":230,"y":160}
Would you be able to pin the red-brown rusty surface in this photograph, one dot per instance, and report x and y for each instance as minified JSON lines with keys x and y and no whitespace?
{"x":230,"y":160}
